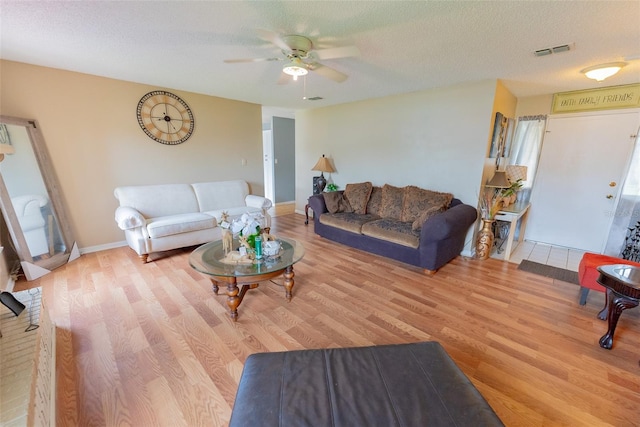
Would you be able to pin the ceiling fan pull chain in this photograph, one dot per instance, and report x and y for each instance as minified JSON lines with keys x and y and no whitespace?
{"x":304,"y":87}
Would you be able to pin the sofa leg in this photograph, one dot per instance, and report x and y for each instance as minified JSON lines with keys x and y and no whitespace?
{"x":583,"y":295}
{"x":430,"y":272}
{"x":144,"y":258}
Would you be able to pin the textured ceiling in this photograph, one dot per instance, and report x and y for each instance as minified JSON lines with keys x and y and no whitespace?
{"x":404,"y":46}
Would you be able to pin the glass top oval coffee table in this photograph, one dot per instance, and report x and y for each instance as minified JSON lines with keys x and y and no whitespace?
{"x":207,"y":260}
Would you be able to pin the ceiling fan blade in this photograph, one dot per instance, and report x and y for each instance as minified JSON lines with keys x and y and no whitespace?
{"x":233,"y":61}
{"x":337,"y":52}
{"x":274,"y":38}
{"x":328,"y":72}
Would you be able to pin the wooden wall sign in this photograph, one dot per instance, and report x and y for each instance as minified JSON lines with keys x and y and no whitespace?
{"x":606,"y":98}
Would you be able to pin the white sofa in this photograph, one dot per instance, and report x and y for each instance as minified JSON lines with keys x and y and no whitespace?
{"x":29,"y":212}
{"x":163,"y":217}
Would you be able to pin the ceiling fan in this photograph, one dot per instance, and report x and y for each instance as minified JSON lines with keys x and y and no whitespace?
{"x":301,"y":57}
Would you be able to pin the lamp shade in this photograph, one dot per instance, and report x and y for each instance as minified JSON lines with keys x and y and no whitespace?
{"x":499,"y":180}
{"x":323,"y":165}
{"x":516,"y":172}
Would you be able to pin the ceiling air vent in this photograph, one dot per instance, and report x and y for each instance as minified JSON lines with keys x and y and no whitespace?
{"x":543,"y":52}
{"x":557,"y":49}
{"x":315,"y":98}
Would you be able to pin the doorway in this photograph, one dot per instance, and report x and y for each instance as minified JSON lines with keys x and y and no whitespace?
{"x":583,"y":162}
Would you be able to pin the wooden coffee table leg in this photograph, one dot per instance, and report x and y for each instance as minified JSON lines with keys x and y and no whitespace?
{"x":233,"y":301}
{"x":214,"y":285}
{"x":617,"y":304}
{"x":288,"y":281}
{"x":604,"y":313}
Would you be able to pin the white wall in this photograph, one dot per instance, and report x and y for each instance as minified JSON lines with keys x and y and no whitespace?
{"x":434,"y":139}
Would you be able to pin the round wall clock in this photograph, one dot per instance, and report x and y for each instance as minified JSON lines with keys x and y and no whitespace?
{"x":165,"y":117}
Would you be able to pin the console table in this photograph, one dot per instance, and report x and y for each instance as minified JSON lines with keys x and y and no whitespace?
{"x":513,"y":214}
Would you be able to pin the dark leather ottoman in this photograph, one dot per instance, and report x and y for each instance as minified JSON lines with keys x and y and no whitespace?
{"x":390,"y":385}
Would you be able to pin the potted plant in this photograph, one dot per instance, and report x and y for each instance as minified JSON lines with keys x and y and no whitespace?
{"x":509,"y":195}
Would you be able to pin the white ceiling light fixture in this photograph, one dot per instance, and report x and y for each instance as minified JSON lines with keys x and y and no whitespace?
{"x":603,"y":71}
{"x":295,"y":69}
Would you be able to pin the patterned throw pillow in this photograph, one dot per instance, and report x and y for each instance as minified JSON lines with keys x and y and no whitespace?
{"x":336,"y":202}
{"x":375,"y":201}
{"x":358,"y":196}
{"x":417,"y":200}
{"x":391,"y":206}
{"x":425,"y":215}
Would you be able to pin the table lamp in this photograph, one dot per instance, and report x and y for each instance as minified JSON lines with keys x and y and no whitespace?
{"x":319,"y":182}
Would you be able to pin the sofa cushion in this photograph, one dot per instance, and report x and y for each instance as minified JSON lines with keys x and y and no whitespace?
{"x":425,"y":215}
{"x":393,"y":231}
{"x":417,"y":200}
{"x":391,"y":205}
{"x":176,"y":224}
{"x":358,"y":196}
{"x":375,"y":201}
{"x":220,"y":195}
{"x":155,"y":201}
{"x":336,"y":202}
{"x":348,"y":221}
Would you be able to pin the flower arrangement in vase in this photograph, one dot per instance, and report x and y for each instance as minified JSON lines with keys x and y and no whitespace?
{"x":490,"y":203}
{"x":509,"y":195}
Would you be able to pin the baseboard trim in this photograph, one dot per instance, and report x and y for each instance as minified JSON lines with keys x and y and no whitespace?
{"x":98,"y":248}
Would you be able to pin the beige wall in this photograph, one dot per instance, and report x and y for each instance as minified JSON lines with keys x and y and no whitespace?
{"x":95,"y":143}
{"x":534,"y":105}
{"x":435,"y":139}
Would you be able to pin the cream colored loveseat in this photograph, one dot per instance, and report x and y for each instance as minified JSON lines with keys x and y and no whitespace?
{"x":163,"y":217}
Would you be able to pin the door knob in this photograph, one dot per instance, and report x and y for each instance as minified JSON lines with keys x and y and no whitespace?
{"x":613,"y":184}
{"x":609,"y":196}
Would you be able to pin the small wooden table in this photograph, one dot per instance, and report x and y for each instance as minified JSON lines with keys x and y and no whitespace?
{"x":623,"y":291}
{"x":513,"y":214}
{"x":207,"y":260}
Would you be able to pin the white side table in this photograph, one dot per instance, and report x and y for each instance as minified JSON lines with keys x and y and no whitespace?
{"x":512,"y":214}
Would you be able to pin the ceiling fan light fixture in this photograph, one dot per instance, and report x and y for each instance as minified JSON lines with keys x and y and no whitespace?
{"x":294,"y":70}
{"x":603,"y":71}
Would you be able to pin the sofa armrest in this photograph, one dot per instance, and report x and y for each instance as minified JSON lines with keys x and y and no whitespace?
{"x":454,"y":220}
{"x":128,"y":218}
{"x":317,"y":204}
{"x":259,"y":202}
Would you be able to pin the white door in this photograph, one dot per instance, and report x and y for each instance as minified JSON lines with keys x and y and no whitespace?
{"x":574,"y":196}
{"x":267,"y":154}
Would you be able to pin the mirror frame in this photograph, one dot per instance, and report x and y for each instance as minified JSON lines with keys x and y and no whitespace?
{"x":55,"y":198}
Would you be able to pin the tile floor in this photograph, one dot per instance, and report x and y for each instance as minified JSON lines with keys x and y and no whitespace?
{"x":545,"y":254}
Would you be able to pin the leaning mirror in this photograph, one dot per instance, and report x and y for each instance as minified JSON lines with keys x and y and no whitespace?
{"x":30,"y":200}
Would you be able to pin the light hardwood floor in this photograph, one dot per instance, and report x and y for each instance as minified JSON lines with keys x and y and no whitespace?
{"x":148,"y":345}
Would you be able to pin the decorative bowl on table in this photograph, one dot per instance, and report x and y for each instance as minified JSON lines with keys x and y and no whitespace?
{"x":271,"y":248}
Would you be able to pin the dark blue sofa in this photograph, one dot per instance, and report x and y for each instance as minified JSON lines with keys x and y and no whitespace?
{"x":441,"y":238}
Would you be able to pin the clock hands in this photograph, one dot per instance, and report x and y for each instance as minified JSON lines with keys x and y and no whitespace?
{"x":167,"y":118}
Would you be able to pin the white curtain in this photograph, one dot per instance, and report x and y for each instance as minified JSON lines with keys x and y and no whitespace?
{"x":526,"y":147}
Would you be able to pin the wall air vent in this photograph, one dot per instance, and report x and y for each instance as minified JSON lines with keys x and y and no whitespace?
{"x":551,"y":50}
